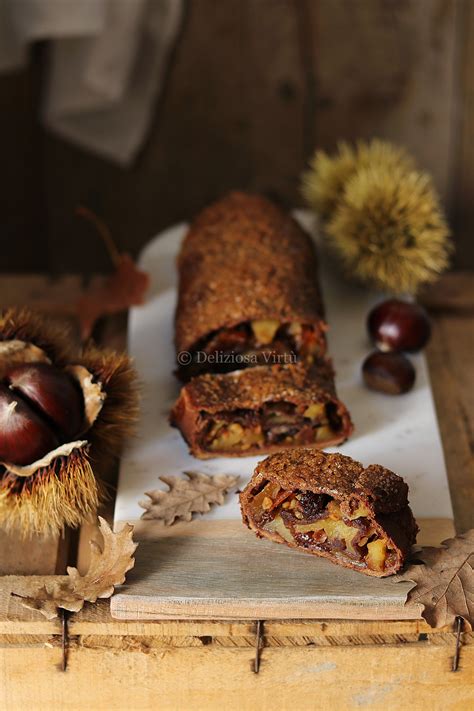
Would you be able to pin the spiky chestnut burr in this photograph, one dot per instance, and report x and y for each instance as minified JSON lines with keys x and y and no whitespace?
{"x":26,"y":326}
{"x":323,"y":184}
{"x":389,"y":230}
{"x":43,"y":375}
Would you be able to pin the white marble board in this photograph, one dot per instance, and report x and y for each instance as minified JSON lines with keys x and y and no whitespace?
{"x":399,"y":432}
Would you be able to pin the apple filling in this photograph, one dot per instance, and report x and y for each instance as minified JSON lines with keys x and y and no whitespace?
{"x":273,"y":423}
{"x":257,"y":342}
{"x":318,"y":522}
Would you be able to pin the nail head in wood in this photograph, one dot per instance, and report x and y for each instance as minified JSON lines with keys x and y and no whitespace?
{"x":64,"y":639}
{"x":458,"y":626}
{"x":258,"y":645}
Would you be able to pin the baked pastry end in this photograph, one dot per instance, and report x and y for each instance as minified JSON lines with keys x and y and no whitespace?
{"x":331,"y":506}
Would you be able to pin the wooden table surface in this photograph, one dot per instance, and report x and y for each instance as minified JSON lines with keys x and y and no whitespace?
{"x":198,"y":664}
{"x":451,"y":365}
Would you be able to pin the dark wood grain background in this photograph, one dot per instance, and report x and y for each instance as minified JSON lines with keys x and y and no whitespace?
{"x":254,"y":86}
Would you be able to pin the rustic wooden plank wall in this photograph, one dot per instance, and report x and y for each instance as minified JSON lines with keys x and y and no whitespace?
{"x":254,"y":86}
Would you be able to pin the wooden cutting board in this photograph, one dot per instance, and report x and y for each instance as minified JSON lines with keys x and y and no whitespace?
{"x":220,"y":570}
{"x":214,"y":567}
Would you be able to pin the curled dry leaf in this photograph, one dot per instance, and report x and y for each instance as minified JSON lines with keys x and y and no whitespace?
{"x":107,"y":569}
{"x":445,"y":581}
{"x":195,"y":494}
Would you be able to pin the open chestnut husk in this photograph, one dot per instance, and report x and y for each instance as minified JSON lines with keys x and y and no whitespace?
{"x":390,"y":373}
{"x":61,"y":413}
{"x":396,"y":325}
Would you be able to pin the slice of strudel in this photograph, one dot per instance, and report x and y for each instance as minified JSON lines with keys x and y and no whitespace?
{"x":331,"y":506}
{"x":262,"y":409}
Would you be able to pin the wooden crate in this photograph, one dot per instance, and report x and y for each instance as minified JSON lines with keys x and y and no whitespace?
{"x":207,"y":664}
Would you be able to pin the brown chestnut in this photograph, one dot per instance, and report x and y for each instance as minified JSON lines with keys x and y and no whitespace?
{"x":52,"y":393}
{"x":396,"y":325}
{"x":391,"y":373}
{"x":24,"y":436}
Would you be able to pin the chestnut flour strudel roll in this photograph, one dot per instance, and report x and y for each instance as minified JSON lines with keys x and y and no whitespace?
{"x":331,"y":506}
{"x":248,"y":285}
{"x":261,"y":409}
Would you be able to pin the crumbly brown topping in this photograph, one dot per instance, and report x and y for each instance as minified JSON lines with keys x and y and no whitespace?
{"x":334,"y":474}
{"x":245,"y":259}
{"x":252,"y":387}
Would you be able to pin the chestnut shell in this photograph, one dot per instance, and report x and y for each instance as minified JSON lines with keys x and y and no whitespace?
{"x":24,"y":435}
{"x":396,"y":325}
{"x":53,"y":393}
{"x":390,"y":373}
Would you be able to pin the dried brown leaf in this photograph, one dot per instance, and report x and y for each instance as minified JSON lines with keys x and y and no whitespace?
{"x":445,"y":581}
{"x":107,"y":569}
{"x":52,"y":596}
{"x":124,"y":288}
{"x":186,"y":496}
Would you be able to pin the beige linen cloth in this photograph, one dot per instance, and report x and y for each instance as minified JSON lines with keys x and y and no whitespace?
{"x":107,"y":63}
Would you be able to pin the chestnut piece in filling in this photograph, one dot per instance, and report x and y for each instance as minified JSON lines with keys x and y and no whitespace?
{"x":257,"y":342}
{"x":331,"y":506}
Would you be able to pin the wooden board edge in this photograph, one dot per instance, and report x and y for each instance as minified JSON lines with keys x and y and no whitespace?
{"x":121,"y":608}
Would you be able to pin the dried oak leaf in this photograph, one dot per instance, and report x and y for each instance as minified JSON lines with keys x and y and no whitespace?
{"x":186,"y":496}
{"x":108,"y":567}
{"x":445,"y":581}
{"x":124,"y":288}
